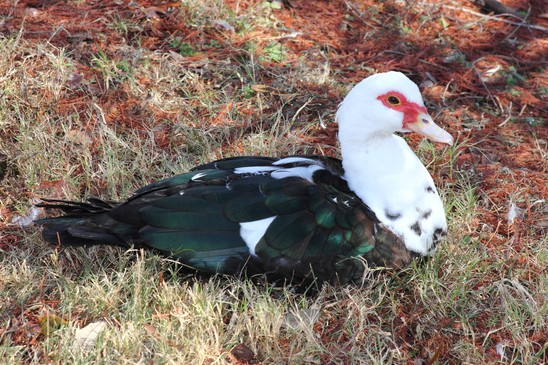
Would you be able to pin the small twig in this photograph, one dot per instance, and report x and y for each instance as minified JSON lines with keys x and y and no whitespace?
{"x":498,"y":19}
{"x":359,"y":14}
{"x":23,"y":87}
{"x":485,"y":86}
{"x":509,"y":36}
{"x":301,"y":109}
{"x":57,"y":30}
{"x":507,"y":118}
{"x":290,"y":35}
{"x":389,"y":51}
{"x":489,"y":334}
{"x":322,"y":123}
{"x":445,"y":92}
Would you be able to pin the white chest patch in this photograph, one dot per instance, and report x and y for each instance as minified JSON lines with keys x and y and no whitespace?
{"x":421,"y":226}
{"x":393,"y":182}
{"x":252,"y":232}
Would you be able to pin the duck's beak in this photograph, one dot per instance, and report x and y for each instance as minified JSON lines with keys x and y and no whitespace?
{"x":424,"y":124}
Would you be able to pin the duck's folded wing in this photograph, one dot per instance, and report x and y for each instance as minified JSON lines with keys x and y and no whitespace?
{"x":293,"y":217}
{"x":287,"y":225}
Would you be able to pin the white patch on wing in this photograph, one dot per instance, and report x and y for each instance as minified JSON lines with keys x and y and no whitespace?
{"x":254,"y":169}
{"x":304,"y":172}
{"x":198,"y":176}
{"x":252,"y":232}
{"x":294,"y":159}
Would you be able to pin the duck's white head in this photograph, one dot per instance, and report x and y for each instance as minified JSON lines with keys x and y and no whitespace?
{"x":385,"y":103}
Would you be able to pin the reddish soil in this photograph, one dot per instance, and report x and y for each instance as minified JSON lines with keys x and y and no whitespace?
{"x":447,"y":47}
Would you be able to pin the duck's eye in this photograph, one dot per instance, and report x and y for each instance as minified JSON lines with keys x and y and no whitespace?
{"x":394,"y":100}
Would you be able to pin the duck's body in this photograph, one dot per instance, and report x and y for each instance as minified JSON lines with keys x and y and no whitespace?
{"x":299,"y":216}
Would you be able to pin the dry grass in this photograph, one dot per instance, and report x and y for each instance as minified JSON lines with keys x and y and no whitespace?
{"x":133,"y":116}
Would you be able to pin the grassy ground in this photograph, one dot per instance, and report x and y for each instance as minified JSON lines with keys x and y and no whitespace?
{"x":106,"y":99}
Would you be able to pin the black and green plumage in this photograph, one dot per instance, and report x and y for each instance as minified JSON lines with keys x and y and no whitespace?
{"x":302,"y":217}
{"x":292,"y":217}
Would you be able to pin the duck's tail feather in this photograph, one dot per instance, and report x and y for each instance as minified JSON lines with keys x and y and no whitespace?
{"x":93,"y":205}
{"x":85,"y":223}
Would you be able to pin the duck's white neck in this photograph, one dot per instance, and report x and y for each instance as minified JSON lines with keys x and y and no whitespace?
{"x":378,"y":168}
{"x":389,"y":178}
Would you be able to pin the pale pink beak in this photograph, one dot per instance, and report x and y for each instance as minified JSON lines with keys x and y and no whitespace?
{"x":425,"y":126}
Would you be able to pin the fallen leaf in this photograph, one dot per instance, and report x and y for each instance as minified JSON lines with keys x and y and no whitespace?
{"x":75,"y":80}
{"x":50,"y":323}
{"x":153,"y":12}
{"x":223,"y":24}
{"x":32,"y":12}
{"x":86,"y":337}
{"x":241,"y":354}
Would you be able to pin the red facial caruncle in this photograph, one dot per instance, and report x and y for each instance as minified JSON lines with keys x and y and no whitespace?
{"x":395,"y":100}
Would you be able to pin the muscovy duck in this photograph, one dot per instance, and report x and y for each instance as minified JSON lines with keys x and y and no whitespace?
{"x":296,"y":217}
